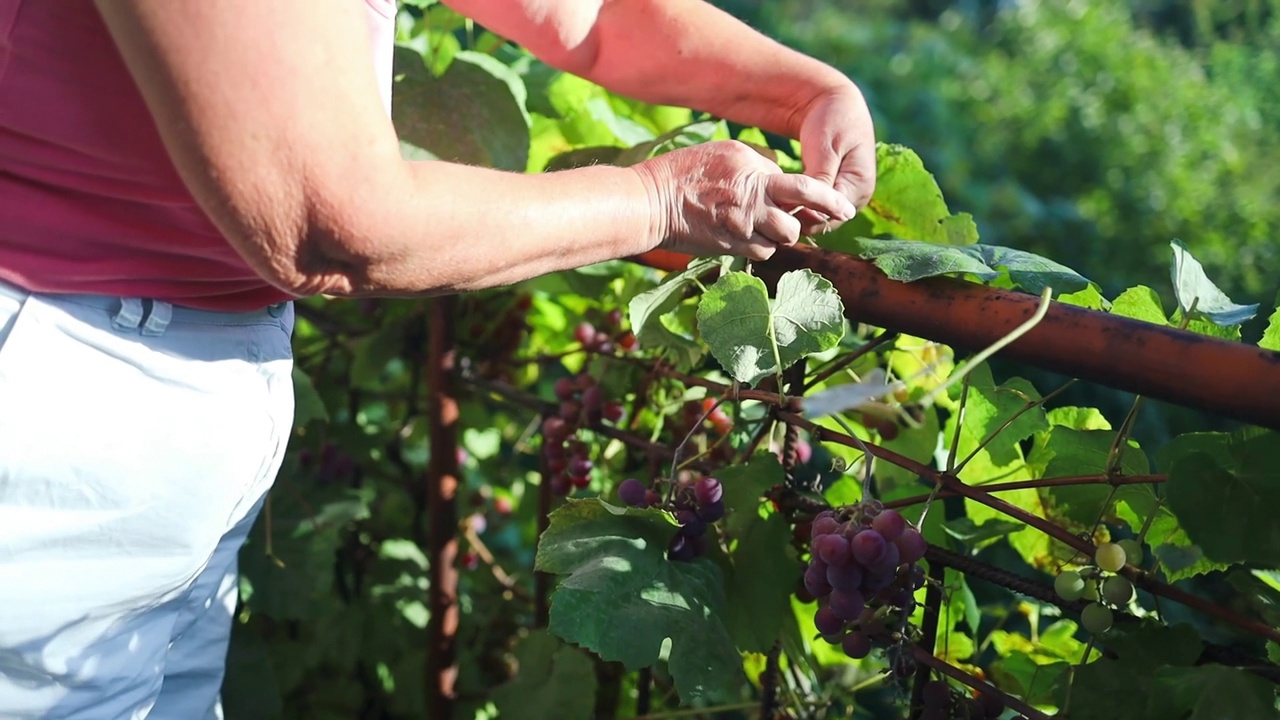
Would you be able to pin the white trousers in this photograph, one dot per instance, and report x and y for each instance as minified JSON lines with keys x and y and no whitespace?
{"x":137,"y":441}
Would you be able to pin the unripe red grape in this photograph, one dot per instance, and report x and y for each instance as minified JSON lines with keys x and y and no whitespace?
{"x":911,"y":546}
{"x":632,"y":492}
{"x":593,"y":399}
{"x":867,"y":547}
{"x":580,"y":481}
{"x":711,"y":512}
{"x":844,"y":577}
{"x":846,"y":605}
{"x":613,"y":412}
{"x":652,"y":498}
{"x":708,"y":490}
{"x":584,"y":333}
{"x":564,"y":389}
{"x":570,"y":410}
{"x":827,"y":622}
{"x":889,"y":524}
{"x":856,"y":645}
{"x":580,"y":466}
{"x":833,"y":549}
{"x":815,"y":579}
{"x":555,"y":429}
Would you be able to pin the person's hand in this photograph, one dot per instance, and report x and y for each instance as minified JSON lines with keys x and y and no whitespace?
{"x":838,"y":147}
{"x":723,"y":198}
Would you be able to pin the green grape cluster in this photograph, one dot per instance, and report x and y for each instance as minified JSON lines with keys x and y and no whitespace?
{"x":1100,"y":585}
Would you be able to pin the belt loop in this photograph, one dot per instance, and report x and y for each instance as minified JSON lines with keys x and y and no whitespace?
{"x":158,"y":318}
{"x":129,"y":315}
{"x":276,"y":310}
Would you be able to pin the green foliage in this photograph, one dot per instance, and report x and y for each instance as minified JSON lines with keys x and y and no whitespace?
{"x":622,"y":598}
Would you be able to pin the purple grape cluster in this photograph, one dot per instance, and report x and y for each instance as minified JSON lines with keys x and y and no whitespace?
{"x":695,"y":504}
{"x":582,"y":404}
{"x":862,"y":559}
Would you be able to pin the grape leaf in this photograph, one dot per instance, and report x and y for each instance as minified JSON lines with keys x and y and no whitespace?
{"x":1210,"y":692}
{"x":907,"y":204}
{"x":988,"y":408}
{"x":621,"y":598}
{"x":1088,"y":298}
{"x":1179,"y":558}
{"x":911,"y":260}
{"x":1232,"y":482}
{"x":1118,"y":689}
{"x":1140,"y":303}
{"x":753,"y":337}
{"x":552,"y":680}
{"x":1036,"y":683}
{"x":1067,"y":452}
{"x":765,"y":572}
{"x":308,"y":403}
{"x":744,"y":486}
{"x":647,"y":308}
{"x":472,"y":114}
{"x":1193,"y":287}
{"x":1271,"y":336}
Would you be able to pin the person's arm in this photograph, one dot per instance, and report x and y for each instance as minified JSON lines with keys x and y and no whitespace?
{"x":270,"y":113}
{"x":691,"y":54}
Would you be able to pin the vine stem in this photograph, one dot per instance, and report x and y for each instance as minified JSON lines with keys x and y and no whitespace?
{"x":849,"y":358}
{"x":926,"y":658}
{"x":690,"y":712}
{"x":1066,"y":480}
{"x":441,"y":493}
{"x":928,"y":633}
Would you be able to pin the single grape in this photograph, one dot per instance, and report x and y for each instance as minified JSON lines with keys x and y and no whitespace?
{"x":580,"y":481}
{"x":593,"y":399}
{"x":889,"y":524}
{"x":976,"y":710}
{"x":555,"y":429}
{"x":1132,"y":551}
{"x":888,"y":562}
{"x":1117,"y":590}
{"x":632,"y":492}
{"x":565,"y":389}
{"x":911,"y":546}
{"x":560,"y":484}
{"x":711,"y":512}
{"x":833,"y":549}
{"x":708,"y":490}
{"x":690,"y":524}
{"x":1096,"y":618}
{"x":847,"y":605}
{"x":580,"y":466}
{"x":936,"y":694}
{"x":844,"y":577}
{"x":856,"y":645}
{"x":613,"y":319}
{"x":585,"y":333}
{"x":652,"y":498}
{"x":827,"y":622}
{"x":815,"y":579}
{"x":1109,"y":557}
{"x":867,"y":547}
{"x":613,"y":412}
{"x":823,"y":526}
{"x":570,"y":410}
{"x":911,"y":575}
{"x":1069,"y":585}
{"x":557,"y":463}
{"x":680,"y":548}
{"x":583,"y":380}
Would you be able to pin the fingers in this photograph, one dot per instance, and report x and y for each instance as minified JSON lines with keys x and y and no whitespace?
{"x":778,"y":226}
{"x":791,"y":190}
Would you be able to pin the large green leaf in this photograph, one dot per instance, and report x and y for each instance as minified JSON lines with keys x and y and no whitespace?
{"x":1065,"y":452}
{"x":754,"y":337}
{"x":1224,"y":490}
{"x":647,"y":308}
{"x":1271,"y":336}
{"x":1210,"y":692}
{"x":1194,"y":288}
{"x":621,"y":598}
{"x":765,"y":572}
{"x":552,"y":680}
{"x":1118,"y":688}
{"x":907,"y":204}
{"x":910,"y":260}
{"x":472,"y":114}
{"x":1140,"y":303}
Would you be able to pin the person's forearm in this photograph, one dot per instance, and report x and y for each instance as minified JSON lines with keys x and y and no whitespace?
{"x":691,"y":54}
{"x":459,"y":228}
